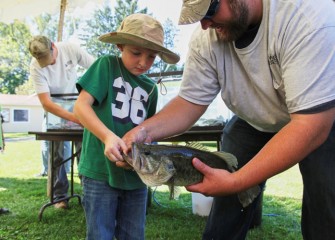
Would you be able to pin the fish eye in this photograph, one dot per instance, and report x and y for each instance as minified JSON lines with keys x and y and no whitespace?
{"x":147,"y":152}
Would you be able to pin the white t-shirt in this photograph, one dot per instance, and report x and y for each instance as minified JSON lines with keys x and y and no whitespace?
{"x":61,"y":77}
{"x":288,"y":67}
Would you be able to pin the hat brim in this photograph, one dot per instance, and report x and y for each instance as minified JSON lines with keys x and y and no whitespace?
{"x":125,"y":38}
{"x":193,"y":11}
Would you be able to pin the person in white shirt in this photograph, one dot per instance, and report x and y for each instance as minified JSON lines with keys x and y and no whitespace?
{"x":53,"y":70}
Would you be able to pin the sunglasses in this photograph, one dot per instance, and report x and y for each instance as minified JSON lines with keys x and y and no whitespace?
{"x":213,"y":7}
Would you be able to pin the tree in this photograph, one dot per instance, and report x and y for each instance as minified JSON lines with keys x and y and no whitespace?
{"x":101,"y":22}
{"x":14,"y":56}
{"x":106,"y":20}
{"x":170,"y":32}
{"x":46,"y":25}
{"x":26,"y":89}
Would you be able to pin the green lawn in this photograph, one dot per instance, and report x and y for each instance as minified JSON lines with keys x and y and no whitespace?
{"x":24,"y":195}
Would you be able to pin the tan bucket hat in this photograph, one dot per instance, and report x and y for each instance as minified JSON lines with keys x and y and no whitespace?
{"x":144,"y":31}
{"x":193,"y":11}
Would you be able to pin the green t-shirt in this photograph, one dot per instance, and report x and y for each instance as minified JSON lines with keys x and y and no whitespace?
{"x":121,"y":104}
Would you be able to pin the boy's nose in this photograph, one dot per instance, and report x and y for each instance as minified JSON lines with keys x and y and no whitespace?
{"x":143,"y":62}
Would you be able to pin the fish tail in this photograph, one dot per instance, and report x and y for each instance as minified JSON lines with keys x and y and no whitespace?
{"x":249,"y":195}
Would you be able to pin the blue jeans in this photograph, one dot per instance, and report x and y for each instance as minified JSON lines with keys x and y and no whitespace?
{"x":61,"y":183}
{"x":112,"y":212}
{"x":228,"y":220}
{"x":67,"y":155}
{"x":318,"y":203}
{"x":45,"y":146}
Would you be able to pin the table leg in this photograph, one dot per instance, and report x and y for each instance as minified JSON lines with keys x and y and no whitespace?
{"x":52,"y":167}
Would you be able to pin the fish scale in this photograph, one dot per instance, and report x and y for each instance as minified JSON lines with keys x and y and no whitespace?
{"x":171,"y":165}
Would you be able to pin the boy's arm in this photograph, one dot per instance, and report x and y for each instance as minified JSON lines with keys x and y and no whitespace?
{"x":88,"y":118}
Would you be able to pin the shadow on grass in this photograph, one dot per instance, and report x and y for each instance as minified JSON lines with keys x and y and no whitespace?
{"x":166,"y":219}
{"x":24,"y":198}
{"x":280,"y":218}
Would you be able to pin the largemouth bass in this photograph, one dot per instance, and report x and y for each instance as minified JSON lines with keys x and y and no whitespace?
{"x":172,"y":165}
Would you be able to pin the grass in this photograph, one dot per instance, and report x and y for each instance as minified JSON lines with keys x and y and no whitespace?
{"x":24,"y":195}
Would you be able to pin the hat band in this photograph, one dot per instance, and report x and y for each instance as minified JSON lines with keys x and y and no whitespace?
{"x":213,"y":8}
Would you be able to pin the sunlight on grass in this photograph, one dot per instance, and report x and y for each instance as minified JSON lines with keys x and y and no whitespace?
{"x":286,"y":184}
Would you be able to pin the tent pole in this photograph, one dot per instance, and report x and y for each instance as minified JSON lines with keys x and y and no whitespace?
{"x":61,"y":20}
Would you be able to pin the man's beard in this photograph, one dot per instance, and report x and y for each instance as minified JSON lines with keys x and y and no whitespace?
{"x":234,"y":29}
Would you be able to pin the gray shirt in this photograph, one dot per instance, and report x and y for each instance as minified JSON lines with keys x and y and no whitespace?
{"x":288,"y":67}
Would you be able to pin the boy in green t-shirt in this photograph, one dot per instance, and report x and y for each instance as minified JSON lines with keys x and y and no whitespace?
{"x":115,"y":96}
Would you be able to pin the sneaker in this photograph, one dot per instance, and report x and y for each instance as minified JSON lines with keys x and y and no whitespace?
{"x":62,"y":204}
{"x":42,"y":174}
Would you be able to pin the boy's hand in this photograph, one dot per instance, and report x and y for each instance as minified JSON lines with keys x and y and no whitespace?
{"x":114,"y":146}
{"x":124,"y":164}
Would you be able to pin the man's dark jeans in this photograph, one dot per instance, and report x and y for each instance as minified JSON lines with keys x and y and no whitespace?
{"x":229,"y":220}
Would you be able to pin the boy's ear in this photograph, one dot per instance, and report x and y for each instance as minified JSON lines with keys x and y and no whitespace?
{"x":120,"y":47}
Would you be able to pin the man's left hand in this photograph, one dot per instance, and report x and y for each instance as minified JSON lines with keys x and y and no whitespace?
{"x":216,"y":182}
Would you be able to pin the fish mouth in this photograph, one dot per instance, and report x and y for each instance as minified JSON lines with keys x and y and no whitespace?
{"x":134,"y":151}
{"x":128,"y":159}
{"x":136,"y":160}
{"x":142,"y":159}
{"x":131,"y":158}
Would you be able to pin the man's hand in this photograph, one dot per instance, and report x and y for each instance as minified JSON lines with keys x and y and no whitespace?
{"x":137,"y":134}
{"x":216,"y":182}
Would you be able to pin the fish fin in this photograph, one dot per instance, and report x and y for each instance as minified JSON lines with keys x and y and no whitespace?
{"x":171,"y":187}
{"x":229,"y":158}
{"x":172,"y":192}
{"x":249,"y":195}
{"x":196,"y":145}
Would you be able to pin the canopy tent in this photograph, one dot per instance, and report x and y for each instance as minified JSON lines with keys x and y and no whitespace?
{"x":19,"y":9}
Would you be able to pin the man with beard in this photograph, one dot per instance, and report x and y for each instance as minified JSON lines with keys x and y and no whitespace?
{"x":273,"y":62}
